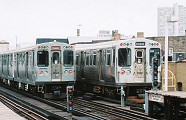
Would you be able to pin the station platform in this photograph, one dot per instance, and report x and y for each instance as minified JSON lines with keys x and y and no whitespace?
{"x":7,"y":114}
{"x":170,"y":105}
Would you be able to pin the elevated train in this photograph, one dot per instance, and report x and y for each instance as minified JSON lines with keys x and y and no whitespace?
{"x":102,"y":68}
{"x":45,"y":69}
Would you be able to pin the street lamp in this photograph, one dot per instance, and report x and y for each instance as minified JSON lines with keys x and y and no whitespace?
{"x":167,"y":19}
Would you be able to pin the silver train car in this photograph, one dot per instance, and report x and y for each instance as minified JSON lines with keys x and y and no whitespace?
{"x":103,"y":68}
{"x":45,"y":69}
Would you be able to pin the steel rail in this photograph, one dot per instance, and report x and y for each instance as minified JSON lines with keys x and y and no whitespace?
{"x":115,"y":111}
{"x":29,"y":114}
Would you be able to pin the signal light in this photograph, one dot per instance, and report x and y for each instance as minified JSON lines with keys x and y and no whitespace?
{"x":155,"y":72}
{"x":70,"y":103}
{"x":70,"y":91}
{"x":70,"y":98}
{"x":155,"y":83}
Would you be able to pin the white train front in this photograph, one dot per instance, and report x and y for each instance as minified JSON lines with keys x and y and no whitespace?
{"x":45,"y":69}
{"x":106,"y":66}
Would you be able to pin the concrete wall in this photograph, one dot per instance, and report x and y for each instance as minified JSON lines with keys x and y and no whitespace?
{"x":179,"y":70}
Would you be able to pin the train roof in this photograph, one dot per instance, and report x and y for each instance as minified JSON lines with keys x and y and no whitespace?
{"x":46,"y":40}
{"x":30,"y":47}
{"x":110,"y":43}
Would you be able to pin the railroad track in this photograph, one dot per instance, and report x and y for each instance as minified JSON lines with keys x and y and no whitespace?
{"x":116,"y":112}
{"x":47,"y":108}
{"x":27,"y":113}
{"x":34,"y":105}
{"x":82,"y":109}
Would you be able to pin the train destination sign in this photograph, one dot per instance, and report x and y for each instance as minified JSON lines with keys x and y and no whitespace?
{"x":140,"y":43}
{"x":156,"y":98}
{"x":55,"y":47}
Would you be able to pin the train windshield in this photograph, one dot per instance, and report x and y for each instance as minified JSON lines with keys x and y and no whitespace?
{"x":68,"y":58}
{"x":55,"y":58}
{"x":154,"y":51}
{"x":42,"y":58}
{"x":124,"y":57}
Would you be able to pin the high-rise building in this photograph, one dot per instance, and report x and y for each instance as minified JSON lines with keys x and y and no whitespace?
{"x":174,"y":28}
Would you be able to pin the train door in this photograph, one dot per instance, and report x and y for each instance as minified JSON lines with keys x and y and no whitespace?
{"x":1,"y":61}
{"x":8,"y":62}
{"x":82,"y":56}
{"x":56,"y":66}
{"x":140,"y":65}
{"x":10,"y":73}
{"x":18,"y":59}
{"x":100,"y":65}
{"x":30,"y":65}
{"x":26,"y":65}
{"x":15,"y":65}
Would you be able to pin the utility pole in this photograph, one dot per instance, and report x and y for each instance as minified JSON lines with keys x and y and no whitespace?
{"x":167,"y":19}
{"x":16,"y":41}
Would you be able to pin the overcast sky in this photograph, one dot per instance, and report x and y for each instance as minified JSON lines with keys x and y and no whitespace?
{"x":27,"y":20}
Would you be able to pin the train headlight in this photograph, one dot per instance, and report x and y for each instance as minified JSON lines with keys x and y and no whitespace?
{"x":128,"y":72}
{"x":40,"y":72}
{"x":65,"y":71}
{"x":46,"y":72}
{"x":122,"y":72}
{"x":70,"y":72}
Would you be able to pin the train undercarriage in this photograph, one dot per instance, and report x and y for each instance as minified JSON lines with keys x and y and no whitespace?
{"x":133,"y":92}
{"x":48,"y":91}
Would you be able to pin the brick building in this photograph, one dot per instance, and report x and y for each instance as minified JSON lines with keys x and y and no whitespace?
{"x":177,"y":45}
{"x":176,"y":68}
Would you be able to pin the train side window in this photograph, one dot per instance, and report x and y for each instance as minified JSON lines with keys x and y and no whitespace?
{"x":87,"y":58}
{"x":108,"y":57}
{"x":8,"y":60}
{"x":42,"y":58}
{"x":151,"y":52}
{"x":113,"y":55}
{"x":4,"y":60}
{"x":11,"y":60}
{"x":94,"y":58}
{"x":82,"y":58}
{"x":33,"y":58}
{"x":30,"y":59}
{"x":15,"y":59}
{"x":124,"y":57}
{"x":77,"y":59}
{"x":23,"y":58}
{"x":20,"y":58}
{"x":91,"y":58}
{"x":68,"y":58}
{"x":0,"y":61}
